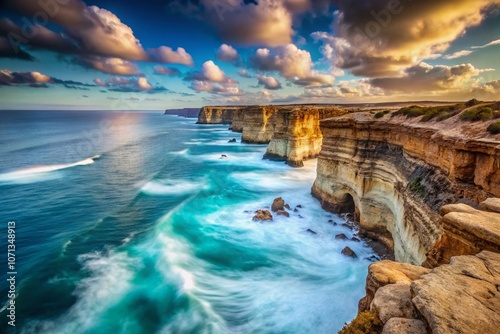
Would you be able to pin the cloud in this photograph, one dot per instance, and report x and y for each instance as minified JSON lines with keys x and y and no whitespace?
{"x":162,"y":70}
{"x":89,"y":32}
{"x":114,"y":66}
{"x":244,"y":74}
{"x":212,"y":79}
{"x":292,"y":63}
{"x":495,"y":42}
{"x":37,"y":80}
{"x":268,"y":82}
{"x":458,"y":54}
{"x":227,"y":53}
{"x":380,"y":38}
{"x":129,"y":85}
{"x":167,"y":55}
{"x":424,"y":77}
{"x":7,"y":51}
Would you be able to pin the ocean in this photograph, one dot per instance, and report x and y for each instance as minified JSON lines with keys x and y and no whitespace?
{"x":133,"y":223}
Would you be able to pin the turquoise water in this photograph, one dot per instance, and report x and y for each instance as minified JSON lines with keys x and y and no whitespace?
{"x":132,"y":223}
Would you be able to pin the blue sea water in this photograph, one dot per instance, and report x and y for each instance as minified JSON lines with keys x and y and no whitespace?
{"x":132,"y":223}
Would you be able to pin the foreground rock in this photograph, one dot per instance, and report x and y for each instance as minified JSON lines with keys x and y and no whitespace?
{"x":278,"y":204}
{"x":282,"y":213}
{"x":467,"y":231}
{"x":349,"y":252}
{"x":460,"y":297}
{"x":262,"y":215}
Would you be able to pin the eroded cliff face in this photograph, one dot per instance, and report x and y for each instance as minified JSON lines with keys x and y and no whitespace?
{"x":460,"y":297}
{"x":396,"y":176}
{"x":296,"y":137}
{"x":216,"y":115}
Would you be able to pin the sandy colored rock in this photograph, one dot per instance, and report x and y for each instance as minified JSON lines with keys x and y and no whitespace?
{"x":262,"y":215}
{"x":404,"y":326}
{"x":393,"y":301}
{"x":398,"y":172}
{"x":461,"y":297}
{"x":282,"y":213}
{"x":388,"y":272}
{"x":491,"y":204}
{"x":467,"y":231}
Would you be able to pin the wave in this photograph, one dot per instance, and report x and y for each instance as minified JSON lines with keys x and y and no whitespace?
{"x":41,"y":173}
{"x":173,"y":187}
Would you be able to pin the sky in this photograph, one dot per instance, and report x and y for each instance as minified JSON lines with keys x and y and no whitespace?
{"x":154,"y":55}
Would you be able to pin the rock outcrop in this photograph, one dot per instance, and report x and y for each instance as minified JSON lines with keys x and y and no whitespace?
{"x":216,"y":115}
{"x":395,"y":175}
{"x":460,"y":297}
{"x":184,"y":112}
{"x":466,"y":231}
{"x":292,"y":132}
{"x":296,"y":136}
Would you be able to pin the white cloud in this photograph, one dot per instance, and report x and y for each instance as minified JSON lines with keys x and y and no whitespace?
{"x":227,"y":53}
{"x":268,"y":82}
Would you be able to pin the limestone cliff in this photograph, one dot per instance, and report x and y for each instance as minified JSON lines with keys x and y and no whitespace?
{"x":296,"y":136}
{"x":216,"y":115}
{"x":183,"y":112}
{"x":460,"y":297}
{"x":396,"y":174}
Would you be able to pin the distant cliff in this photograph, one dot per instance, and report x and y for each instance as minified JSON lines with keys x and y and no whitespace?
{"x":292,"y":132}
{"x":396,"y":174}
{"x":184,"y":112}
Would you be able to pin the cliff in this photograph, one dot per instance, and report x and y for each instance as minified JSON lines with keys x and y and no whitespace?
{"x":216,"y":115}
{"x":396,"y":173}
{"x":460,"y":297}
{"x":292,"y":132}
{"x":184,"y":112}
{"x":296,"y":136}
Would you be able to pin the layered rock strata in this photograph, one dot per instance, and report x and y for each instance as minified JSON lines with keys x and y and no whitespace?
{"x":466,"y":231}
{"x":460,"y":297}
{"x":395,"y":175}
{"x":216,"y":115}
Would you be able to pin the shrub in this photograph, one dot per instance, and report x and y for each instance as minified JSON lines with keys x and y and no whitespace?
{"x":494,"y":128}
{"x":365,"y":323}
{"x":477,"y":114}
{"x":472,"y":103}
{"x":381,"y":114}
{"x":428,"y":113}
{"x":417,"y":187}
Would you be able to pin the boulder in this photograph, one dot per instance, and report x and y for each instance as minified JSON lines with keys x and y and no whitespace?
{"x":278,"y":204}
{"x":461,"y":297}
{"x":393,"y":301}
{"x":262,"y":215}
{"x":355,"y":239}
{"x":232,"y":140}
{"x":282,"y":213}
{"x":349,"y":252}
{"x":404,"y":326}
{"x":341,"y":236}
{"x":388,"y":272}
{"x":491,"y":204}
{"x":287,"y":206}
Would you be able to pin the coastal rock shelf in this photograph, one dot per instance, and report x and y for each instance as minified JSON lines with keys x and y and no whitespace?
{"x":396,"y":174}
{"x":460,"y":297}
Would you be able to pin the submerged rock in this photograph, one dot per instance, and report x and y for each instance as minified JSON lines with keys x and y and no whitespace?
{"x":232,"y":140}
{"x":282,"y":213}
{"x":349,"y":252}
{"x":298,"y":206}
{"x":341,"y":236}
{"x":262,"y":215}
{"x":311,"y":231}
{"x":222,"y":156}
{"x":287,"y":206}
{"x":295,"y":210}
{"x":355,"y":239}
{"x":278,"y":204}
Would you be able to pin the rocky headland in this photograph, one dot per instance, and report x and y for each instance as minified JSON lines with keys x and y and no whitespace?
{"x":423,"y":181}
{"x":183,"y":112}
